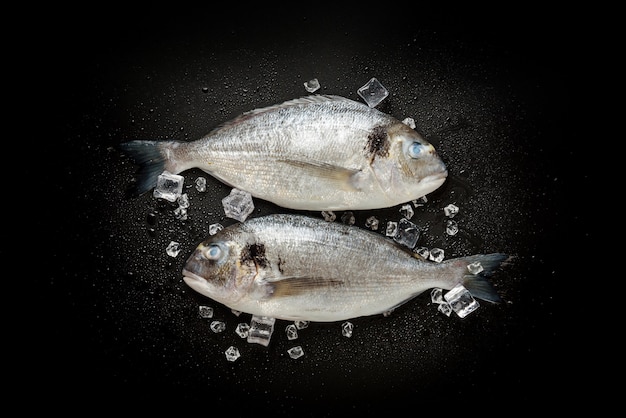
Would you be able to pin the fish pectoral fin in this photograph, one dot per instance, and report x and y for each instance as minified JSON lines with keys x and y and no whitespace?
{"x":347,"y":179}
{"x":294,"y":286}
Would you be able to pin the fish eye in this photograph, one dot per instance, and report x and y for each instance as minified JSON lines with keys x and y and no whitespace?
{"x":213,"y":252}
{"x":415,"y":150}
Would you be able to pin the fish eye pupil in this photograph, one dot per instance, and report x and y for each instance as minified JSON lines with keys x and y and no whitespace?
{"x":415,"y":150}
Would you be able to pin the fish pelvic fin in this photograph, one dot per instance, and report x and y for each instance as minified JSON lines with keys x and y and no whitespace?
{"x":478,"y":284}
{"x":152,"y":159}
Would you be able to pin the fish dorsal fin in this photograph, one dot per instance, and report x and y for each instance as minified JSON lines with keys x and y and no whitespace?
{"x":317,"y":98}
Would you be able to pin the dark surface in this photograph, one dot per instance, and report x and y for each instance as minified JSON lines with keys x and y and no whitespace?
{"x":121,"y":325}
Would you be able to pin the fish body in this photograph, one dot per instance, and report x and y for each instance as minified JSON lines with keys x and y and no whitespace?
{"x":295,"y":267}
{"x":313,"y":153}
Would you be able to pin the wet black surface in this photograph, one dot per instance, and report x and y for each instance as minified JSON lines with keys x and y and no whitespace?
{"x":121,"y":325}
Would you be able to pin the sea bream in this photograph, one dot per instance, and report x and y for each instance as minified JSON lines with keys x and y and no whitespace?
{"x":312,"y":153}
{"x":295,"y":267}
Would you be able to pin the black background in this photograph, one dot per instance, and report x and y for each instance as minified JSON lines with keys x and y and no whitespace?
{"x":115,"y":324}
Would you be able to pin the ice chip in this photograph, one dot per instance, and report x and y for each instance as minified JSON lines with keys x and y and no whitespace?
{"x":436,"y":255}
{"x":407,"y":233}
{"x":392,"y":229}
{"x":451,"y":210}
{"x":238,"y":204}
{"x":205,"y":311}
{"x":461,"y":300}
{"x":452,"y":228}
{"x":423,"y":252}
{"x":201,"y":184}
{"x":312,"y":85}
{"x":215,"y":228}
{"x":373,"y":92}
{"x":295,"y":352}
{"x":410,"y":122}
{"x":218,"y":326}
{"x":346,"y":329}
{"x":329,"y":216}
{"x":348,"y":218}
{"x":232,"y":353}
{"x":475,"y":267}
{"x":301,"y":324}
{"x":180,"y":213}
{"x":445,"y":308}
{"x":169,"y":186}
{"x":173,"y":248}
{"x":183,"y":201}
{"x":242,"y":329}
{"x":261,"y":329}
{"x":436,"y":295}
{"x":372,"y":223}
{"x":292,"y":332}
{"x":407,"y":211}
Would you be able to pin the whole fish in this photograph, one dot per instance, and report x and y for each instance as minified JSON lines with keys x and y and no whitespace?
{"x":295,"y":267}
{"x":313,"y":153}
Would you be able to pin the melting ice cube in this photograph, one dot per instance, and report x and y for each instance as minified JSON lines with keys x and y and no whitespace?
{"x":242,"y":330}
{"x":173,"y":248}
{"x":372,"y":223}
{"x":169,"y":186}
{"x":295,"y":352}
{"x":312,"y":85}
{"x":346,"y":329}
{"x":392,"y":229}
{"x":461,"y":300}
{"x":373,"y":92}
{"x":451,"y":210}
{"x":217,"y":326}
{"x":215,"y":228}
{"x":238,"y":204}
{"x":292,"y":332}
{"x":205,"y":311}
{"x":452,"y":228}
{"x":232,"y":353}
{"x":261,"y":329}
{"x":407,"y":234}
{"x":436,"y":255}
{"x":201,"y":184}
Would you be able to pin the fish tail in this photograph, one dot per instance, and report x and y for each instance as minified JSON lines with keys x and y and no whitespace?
{"x":152,"y":159}
{"x":477,"y":284}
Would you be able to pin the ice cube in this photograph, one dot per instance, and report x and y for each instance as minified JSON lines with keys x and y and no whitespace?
{"x":410,"y":122}
{"x":238,"y":204}
{"x":407,"y":234}
{"x":201,"y":184}
{"x":232,"y":353}
{"x":242,"y":329}
{"x":295,"y":352}
{"x":180,"y":213}
{"x":205,"y":311}
{"x":423,"y":252}
{"x":218,"y":326}
{"x":407,"y":211}
{"x":436,"y":295}
{"x":215,"y":228}
{"x":183,"y":201}
{"x":312,"y":85}
{"x":261,"y":329}
{"x":445,"y":308}
{"x":451,"y":210}
{"x":373,"y":92}
{"x":346,"y":329}
{"x":475,"y":267}
{"x":329,"y":215}
{"x":461,"y":300}
{"x":420,"y":201}
{"x":301,"y":324}
{"x":392,"y":229}
{"x":436,"y":255}
{"x":169,"y":186}
{"x":348,"y":218}
{"x":452,"y":228}
{"x":372,"y":223}
{"x":292,"y":332}
{"x":173,"y":248}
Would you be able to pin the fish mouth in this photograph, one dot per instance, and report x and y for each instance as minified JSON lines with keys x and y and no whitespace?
{"x":192,"y":278}
{"x":433,"y":181}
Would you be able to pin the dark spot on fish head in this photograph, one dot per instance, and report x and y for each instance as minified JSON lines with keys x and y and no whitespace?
{"x":254,"y":252}
{"x":377,"y":142}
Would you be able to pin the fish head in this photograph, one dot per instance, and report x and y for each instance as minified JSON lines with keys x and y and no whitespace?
{"x":410,"y":167}
{"x":220,"y":267}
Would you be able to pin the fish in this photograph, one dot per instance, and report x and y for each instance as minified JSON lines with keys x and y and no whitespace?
{"x":297,"y":267}
{"x":318,"y":152}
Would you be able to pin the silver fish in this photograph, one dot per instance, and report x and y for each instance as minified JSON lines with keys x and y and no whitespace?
{"x":313,"y":153}
{"x":295,"y":267}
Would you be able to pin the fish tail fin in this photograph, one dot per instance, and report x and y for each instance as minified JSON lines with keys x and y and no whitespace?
{"x":478,"y":284}
{"x":152,"y":159}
